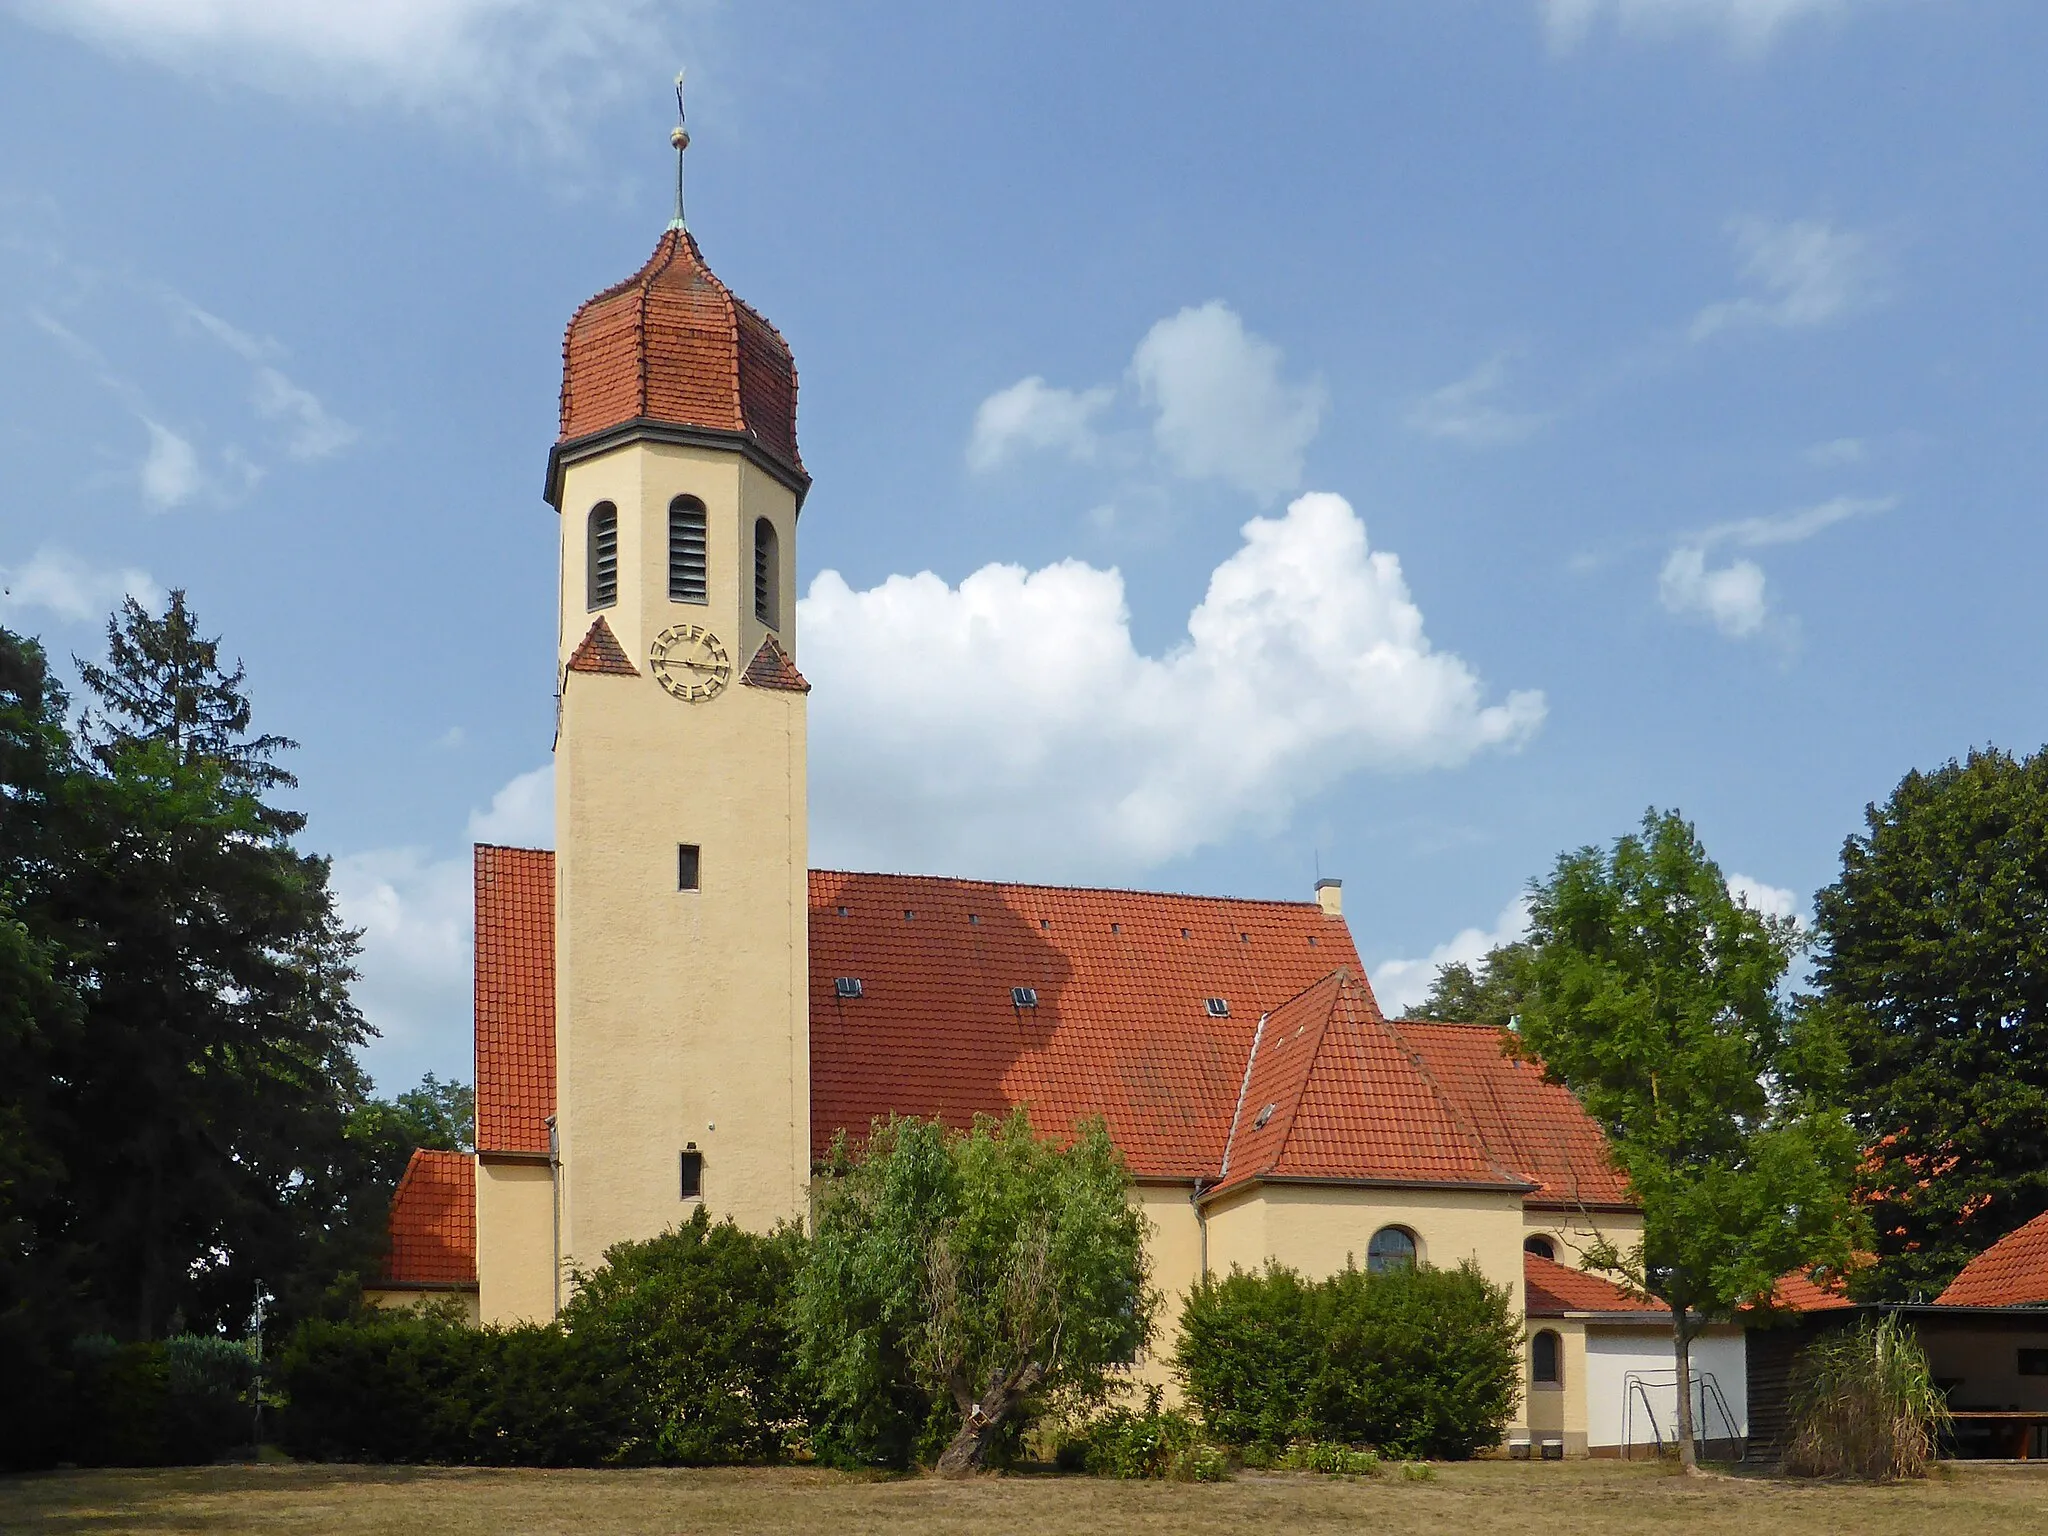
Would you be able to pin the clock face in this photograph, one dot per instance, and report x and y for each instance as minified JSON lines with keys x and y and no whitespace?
{"x":689,"y":661}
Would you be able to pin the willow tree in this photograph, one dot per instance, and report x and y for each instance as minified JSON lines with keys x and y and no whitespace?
{"x":1655,"y":996}
{"x":962,"y":1283}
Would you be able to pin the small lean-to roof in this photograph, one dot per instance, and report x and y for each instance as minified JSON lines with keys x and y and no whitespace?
{"x":515,"y":998}
{"x":433,"y":1222}
{"x":2012,"y":1272}
{"x":1334,"y":1093}
{"x":601,"y":652}
{"x":1534,"y":1127}
{"x":1555,"y":1289}
{"x":1120,"y":1028}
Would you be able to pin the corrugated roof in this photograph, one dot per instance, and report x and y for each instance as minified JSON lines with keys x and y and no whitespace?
{"x":433,"y":1222}
{"x":2012,"y":1272}
{"x":515,"y":998}
{"x":1121,"y":1027}
{"x":1553,"y":1289}
{"x":1534,"y":1127}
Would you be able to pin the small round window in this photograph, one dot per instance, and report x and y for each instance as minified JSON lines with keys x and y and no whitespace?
{"x":1392,"y":1248}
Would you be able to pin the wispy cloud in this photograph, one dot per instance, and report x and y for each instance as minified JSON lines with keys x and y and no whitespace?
{"x":1034,"y":415}
{"x":1805,"y":273}
{"x":1732,"y":596}
{"x":1797,"y":526}
{"x":60,"y":584}
{"x":1469,"y":411}
{"x":312,"y":431}
{"x":535,"y":68}
{"x":1837,"y":452}
{"x":1749,"y":26}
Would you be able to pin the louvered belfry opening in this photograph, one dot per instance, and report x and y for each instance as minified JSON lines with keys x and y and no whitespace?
{"x":688,"y":573}
{"x":766,"y":566}
{"x":603,"y":565}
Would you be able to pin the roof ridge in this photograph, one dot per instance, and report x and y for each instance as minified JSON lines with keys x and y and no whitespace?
{"x":1244,"y":1087}
{"x":1096,"y":890}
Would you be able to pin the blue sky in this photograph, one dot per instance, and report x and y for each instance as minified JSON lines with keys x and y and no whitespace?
{"x":1401,"y":439}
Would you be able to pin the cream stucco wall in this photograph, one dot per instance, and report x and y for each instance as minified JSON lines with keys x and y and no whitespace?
{"x":1317,"y":1228}
{"x":1173,"y":1250}
{"x":1576,"y":1231}
{"x":515,"y":1239}
{"x":681,"y":1016}
{"x":417,"y":1299}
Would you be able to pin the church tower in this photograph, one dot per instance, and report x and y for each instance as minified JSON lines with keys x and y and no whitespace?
{"x":681,"y":1033}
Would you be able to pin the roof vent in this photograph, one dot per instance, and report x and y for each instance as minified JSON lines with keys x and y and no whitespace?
{"x":1024,"y":997}
{"x":1219,"y":1007}
{"x":846,"y":986}
{"x":1264,"y":1115}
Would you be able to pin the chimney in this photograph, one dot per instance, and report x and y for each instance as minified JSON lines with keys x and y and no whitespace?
{"x":1330,"y":897}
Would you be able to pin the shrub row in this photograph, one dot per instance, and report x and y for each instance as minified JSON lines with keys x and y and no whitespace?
{"x":1422,"y":1362}
{"x":100,"y":1403}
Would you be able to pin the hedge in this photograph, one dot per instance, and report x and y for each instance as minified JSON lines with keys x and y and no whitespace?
{"x":1423,"y":1362}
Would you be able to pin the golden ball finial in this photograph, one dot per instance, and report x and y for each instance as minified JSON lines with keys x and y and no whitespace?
{"x":679,"y":137}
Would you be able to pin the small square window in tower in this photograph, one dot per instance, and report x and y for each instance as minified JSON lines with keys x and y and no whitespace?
{"x":693,"y":1173}
{"x":687,"y":860}
{"x":688,"y":581}
{"x":767,"y":568}
{"x":601,"y":557}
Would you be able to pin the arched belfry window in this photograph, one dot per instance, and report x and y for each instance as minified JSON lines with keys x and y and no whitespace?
{"x":1546,"y":1359}
{"x":601,"y":563}
{"x":1391,"y":1248}
{"x":688,"y":579}
{"x":1539,"y":1245}
{"x":767,"y":571}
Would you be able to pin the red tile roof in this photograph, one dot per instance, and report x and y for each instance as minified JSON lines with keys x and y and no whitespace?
{"x":1555,"y":1289}
{"x":772,"y":668}
{"x":1534,"y":1127}
{"x":671,"y":344}
{"x":1334,"y":1092}
{"x":515,"y":998}
{"x":1797,"y":1292}
{"x":2012,"y":1272}
{"x":600,"y":651}
{"x":1120,"y":1028}
{"x":433,"y":1222}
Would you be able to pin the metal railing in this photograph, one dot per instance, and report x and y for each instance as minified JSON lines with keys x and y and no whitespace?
{"x":1636,"y":1387}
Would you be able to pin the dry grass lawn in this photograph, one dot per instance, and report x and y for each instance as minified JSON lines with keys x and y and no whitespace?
{"x":1476,"y":1499}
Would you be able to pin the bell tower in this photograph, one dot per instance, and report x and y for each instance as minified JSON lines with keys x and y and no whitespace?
{"x":681,"y":950}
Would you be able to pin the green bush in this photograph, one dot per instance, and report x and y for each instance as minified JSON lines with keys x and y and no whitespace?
{"x":172,"y":1402}
{"x":1148,"y":1443}
{"x":1416,"y":1363}
{"x":675,"y":1352}
{"x":1329,"y":1458}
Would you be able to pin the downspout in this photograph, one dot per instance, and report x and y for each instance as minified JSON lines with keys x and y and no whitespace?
{"x":1201,"y":1223}
{"x":555,"y":1197}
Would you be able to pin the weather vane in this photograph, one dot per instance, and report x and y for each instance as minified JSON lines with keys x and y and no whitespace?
{"x":680,"y":137}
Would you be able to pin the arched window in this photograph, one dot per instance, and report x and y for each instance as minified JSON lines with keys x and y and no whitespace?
{"x":601,"y":557}
{"x":1391,"y":1248}
{"x":767,"y":568}
{"x":687,"y":578}
{"x":1546,"y":1359}
{"x":1539,"y":1245}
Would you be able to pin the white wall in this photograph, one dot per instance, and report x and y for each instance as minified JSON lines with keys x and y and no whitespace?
{"x":1612,"y":1354}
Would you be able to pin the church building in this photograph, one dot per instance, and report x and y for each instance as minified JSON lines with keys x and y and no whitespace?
{"x":674,"y":1010}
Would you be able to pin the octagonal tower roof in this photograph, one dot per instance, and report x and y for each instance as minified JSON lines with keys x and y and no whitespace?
{"x":671,"y":355}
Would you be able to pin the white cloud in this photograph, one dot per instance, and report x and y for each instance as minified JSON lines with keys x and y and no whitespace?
{"x":1222,"y":408}
{"x":1749,"y":25}
{"x":170,"y":470}
{"x":1807,"y":273}
{"x":535,"y":67}
{"x":522,"y":814}
{"x":1795,"y":527}
{"x":418,"y":921}
{"x":1015,"y":728}
{"x":65,"y":587}
{"x":1732,"y":596}
{"x":1032,"y":414}
{"x":1401,"y":984}
{"x":313,"y":432}
{"x":1468,"y":411}
{"x":1770,"y":900}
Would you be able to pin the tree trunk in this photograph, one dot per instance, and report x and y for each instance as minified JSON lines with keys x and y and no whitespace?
{"x":1681,"y":1342}
{"x":981,"y":1422}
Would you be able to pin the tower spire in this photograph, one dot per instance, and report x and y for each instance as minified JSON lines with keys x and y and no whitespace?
{"x":680,"y":137}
